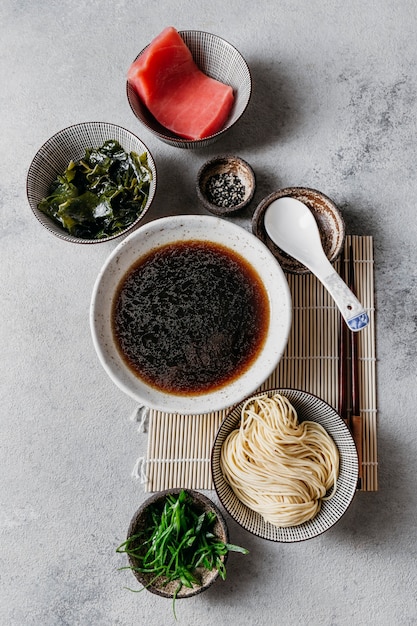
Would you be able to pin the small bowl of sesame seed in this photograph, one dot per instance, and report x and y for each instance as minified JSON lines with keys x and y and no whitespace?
{"x":225,"y":184}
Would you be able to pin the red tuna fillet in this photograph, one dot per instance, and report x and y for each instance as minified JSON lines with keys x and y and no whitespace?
{"x":177,"y":93}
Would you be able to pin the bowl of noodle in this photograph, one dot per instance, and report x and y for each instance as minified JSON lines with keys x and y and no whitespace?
{"x":284,"y":465}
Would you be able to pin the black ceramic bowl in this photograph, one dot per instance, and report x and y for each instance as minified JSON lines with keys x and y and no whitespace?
{"x":200,"y":504}
{"x":225,"y":184}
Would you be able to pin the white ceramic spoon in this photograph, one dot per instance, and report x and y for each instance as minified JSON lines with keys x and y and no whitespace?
{"x":291,"y":225}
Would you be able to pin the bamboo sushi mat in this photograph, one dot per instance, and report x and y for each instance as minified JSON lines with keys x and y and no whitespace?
{"x":179,"y":446}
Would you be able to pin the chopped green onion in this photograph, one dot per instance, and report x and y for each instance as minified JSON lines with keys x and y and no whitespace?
{"x":175,"y":541}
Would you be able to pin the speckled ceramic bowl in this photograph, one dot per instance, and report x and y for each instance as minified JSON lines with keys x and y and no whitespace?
{"x":218,"y":174}
{"x":218,"y":59}
{"x":204,"y":228}
{"x":308,"y":407}
{"x":69,"y":144}
{"x":201,"y":504}
{"x":328,"y":217}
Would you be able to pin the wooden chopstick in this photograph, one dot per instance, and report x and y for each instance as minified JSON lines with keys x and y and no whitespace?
{"x":343,"y":377}
{"x":355,"y":418}
{"x":349,"y":405}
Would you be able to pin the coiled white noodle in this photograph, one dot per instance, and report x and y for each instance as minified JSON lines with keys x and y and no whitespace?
{"x":277,"y":466}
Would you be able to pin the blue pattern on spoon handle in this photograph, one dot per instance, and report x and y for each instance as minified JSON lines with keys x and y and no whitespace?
{"x":291,"y":224}
{"x":352,"y":310}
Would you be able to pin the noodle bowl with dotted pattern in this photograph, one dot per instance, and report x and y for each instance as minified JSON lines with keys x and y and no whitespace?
{"x":249,"y":483}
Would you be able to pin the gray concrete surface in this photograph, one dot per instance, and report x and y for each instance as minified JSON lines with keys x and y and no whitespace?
{"x":334,"y":107}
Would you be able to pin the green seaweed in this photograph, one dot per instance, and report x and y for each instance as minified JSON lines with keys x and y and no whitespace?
{"x":100,"y":195}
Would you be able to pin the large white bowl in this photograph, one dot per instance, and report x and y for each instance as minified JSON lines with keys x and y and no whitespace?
{"x":184,"y":228}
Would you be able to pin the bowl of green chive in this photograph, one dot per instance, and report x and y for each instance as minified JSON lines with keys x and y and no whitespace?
{"x":177,"y":543}
{"x":225,"y":184}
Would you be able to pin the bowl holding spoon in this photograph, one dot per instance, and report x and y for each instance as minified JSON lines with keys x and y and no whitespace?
{"x":327,"y":215}
{"x":292,"y":227}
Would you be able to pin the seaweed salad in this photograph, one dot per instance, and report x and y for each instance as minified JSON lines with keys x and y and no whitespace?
{"x":101,"y":194}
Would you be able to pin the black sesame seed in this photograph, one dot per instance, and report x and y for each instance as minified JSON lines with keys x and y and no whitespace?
{"x":225,"y":190}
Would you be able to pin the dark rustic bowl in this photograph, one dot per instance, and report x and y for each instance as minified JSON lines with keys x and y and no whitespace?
{"x":226,"y":164}
{"x":218,"y":59}
{"x":201,"y":504}
{"x":329,"y":221}
{"x":70,"y":144}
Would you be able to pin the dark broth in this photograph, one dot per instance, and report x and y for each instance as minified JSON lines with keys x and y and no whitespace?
{"x":190,"y":317}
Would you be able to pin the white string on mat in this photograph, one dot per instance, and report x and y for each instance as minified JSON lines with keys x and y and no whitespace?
{"x":140,"y":415}
{"x":138,"y":471}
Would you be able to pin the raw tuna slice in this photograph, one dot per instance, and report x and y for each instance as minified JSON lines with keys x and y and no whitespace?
{"x":176,"y":92}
